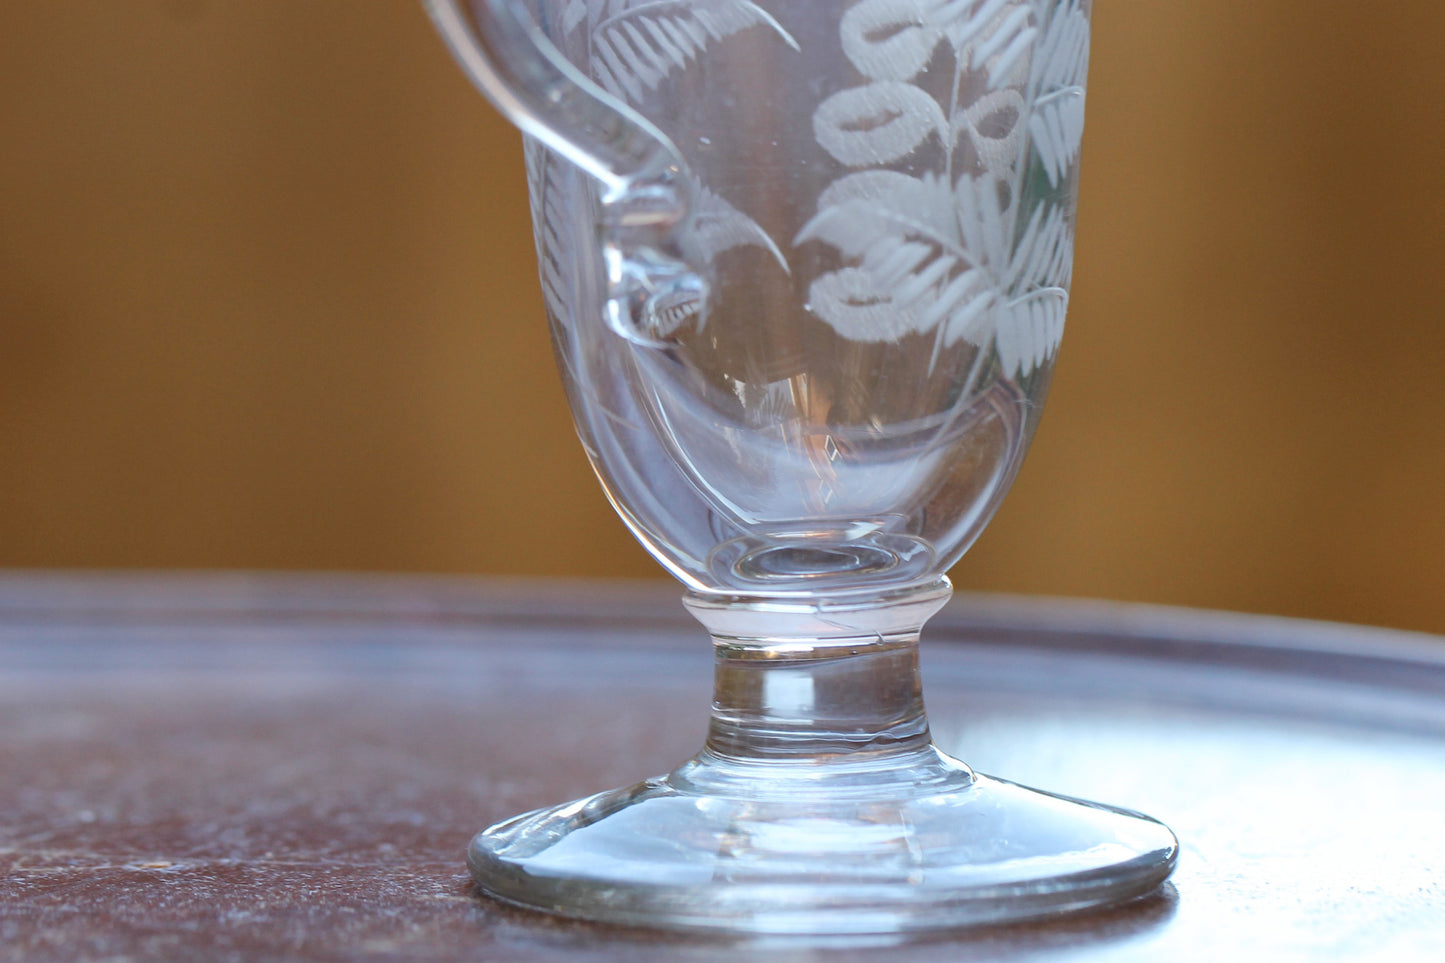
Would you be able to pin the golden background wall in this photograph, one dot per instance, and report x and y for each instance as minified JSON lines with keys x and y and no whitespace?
{"x":267,"y":299}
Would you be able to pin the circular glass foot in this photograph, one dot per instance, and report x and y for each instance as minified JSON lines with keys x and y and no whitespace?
{"x":837,"y":848}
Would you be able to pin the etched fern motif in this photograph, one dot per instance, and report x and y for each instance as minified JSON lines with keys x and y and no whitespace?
{"x":1059,"y":68}
{"x":632,"y":47}
{"x":636,"y":44}
{"x":895,"y":39}
{"x":953,"y":254}
{"x":933,"y":256}
{"x":716,"y":227}
{"x":548,"y":230}
{"x":877,"y":123}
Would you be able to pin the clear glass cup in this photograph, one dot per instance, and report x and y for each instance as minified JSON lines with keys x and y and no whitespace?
{"x":806,"y":265}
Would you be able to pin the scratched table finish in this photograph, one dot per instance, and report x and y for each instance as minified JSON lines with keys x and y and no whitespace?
{"x":242,"y":767}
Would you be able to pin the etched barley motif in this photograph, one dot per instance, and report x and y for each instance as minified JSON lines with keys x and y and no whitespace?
{"x":961,"y":250}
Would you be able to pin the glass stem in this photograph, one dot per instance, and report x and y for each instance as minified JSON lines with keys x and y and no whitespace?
{"x":818,"y":681}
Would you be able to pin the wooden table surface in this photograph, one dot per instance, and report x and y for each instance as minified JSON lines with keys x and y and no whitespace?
{"x":275,"y":767}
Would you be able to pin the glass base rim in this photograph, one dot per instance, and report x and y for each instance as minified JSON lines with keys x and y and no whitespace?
{"x":660,"y":855}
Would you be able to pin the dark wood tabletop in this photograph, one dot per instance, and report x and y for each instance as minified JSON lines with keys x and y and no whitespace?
{"x":274,"y":767}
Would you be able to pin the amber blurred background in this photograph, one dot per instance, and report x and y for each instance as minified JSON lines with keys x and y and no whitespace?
{"x":268,"y":299}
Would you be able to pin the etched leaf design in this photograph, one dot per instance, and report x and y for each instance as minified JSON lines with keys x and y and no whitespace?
{"x":994,"y":125}
{"x":717,"y":226}
{"x":1031,"y":322}
{"x":1030,"y":329}
{"x":895,"y":39}
{"x":633,"y":46}
{"x":926,"y":259}
{"x":930,"y":253}
{"x":1043,"y":256}
{"x":1062,"y":56}
{"x":996,"y":37}
{"x":1060,"y":66}
{"x":548,"y":213}
{"x":933,"y":257}
{"x":857,"y":306}
{"x":878,"y":123}
{"x":1057,"y":128}
{"x":636,"y":45}
{"x":856,"y":209}
{"x":574,"y":13}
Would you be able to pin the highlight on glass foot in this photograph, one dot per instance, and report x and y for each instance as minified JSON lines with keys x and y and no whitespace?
{"x":806,"y":268}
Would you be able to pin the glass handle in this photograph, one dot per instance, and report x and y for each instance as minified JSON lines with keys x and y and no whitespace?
{"x":653,"y":273}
